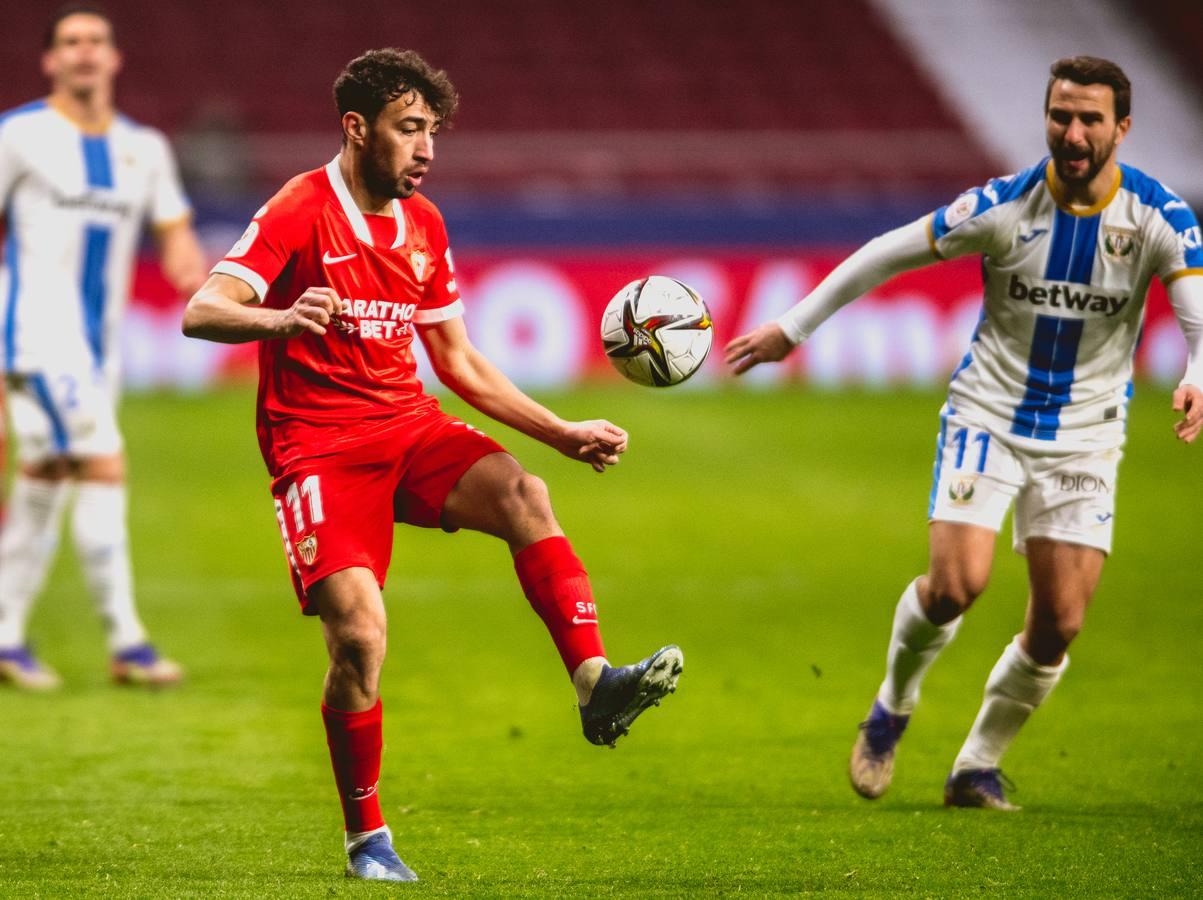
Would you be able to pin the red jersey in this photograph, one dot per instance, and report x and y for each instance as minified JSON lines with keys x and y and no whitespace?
{"x":321,"y":393}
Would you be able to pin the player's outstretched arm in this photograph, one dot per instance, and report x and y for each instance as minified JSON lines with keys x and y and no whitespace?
{"x":181,"y":257}
{"x":225,"y":310}
{"x":908,"y":247}
{"x":1186,"y":297}
{"x":462,"y":368}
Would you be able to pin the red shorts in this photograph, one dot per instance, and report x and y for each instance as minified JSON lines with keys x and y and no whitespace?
{"x":337,"y":511}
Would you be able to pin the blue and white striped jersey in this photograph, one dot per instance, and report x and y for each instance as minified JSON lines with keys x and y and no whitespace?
{"x":74,"y":204}
{"x":1064,"y":300}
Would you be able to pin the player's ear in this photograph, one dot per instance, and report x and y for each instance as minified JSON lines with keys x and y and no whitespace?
{"x":1121,"y":129}
{"x":355,"y":128}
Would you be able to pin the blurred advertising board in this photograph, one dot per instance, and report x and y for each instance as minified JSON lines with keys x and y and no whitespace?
{"x":536,"y":315}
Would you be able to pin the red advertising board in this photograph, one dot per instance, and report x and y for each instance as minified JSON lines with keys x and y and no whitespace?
{"x":536,"y":314}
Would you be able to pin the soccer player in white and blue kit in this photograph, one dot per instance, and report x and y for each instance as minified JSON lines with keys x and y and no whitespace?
{"x":1036,"y":410}
{"x":76,"y":183}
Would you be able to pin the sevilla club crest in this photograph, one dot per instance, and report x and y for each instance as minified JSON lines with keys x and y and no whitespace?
{"x":307,"y":549}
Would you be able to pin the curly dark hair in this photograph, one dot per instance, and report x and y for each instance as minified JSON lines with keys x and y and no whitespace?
{"x":380,"y":76}
{"x":1093,"y":70}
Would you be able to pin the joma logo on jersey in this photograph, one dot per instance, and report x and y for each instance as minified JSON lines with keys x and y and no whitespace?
{"x":378,"y":319}
{"x":1066,"y":296}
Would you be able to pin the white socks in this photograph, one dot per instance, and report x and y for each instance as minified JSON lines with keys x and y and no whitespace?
{"x":100,"y":532}
{"x":27,"y":546}
{"x":914,"y":645}
{"x":1016,"y":686}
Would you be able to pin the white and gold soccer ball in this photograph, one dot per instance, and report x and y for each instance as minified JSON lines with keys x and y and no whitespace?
{"x":657,"y":331}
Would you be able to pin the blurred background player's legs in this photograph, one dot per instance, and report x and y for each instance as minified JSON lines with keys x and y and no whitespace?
{"x":101,"y":534}
{"x":65,"y":447}
{"x":28,"y":543}
{"x":3,"y":451}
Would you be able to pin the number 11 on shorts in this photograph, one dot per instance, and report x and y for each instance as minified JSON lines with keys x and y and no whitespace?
{"x":308,"y":493}
{"x":961,"y":439}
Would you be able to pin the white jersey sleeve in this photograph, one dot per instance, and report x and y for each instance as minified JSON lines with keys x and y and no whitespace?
{"x":1186,"y":297}
{"x":10,"y":166}
{"x":168,"y":203}
{"x":872,"y":265}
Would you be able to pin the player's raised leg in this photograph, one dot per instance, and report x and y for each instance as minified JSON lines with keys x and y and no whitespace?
{"x":925,"y":621}
{"x":498,"y":497}
{"x":1063,"y":578}
{"x":101,"y":535}
{"x":354,"y":626}
{"x":28,"y":542}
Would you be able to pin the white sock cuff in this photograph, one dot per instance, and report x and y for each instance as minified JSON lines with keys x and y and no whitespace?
{"x":100,"y":494}
{"x":99,"y":516}
{"x":1030,"y":665}
{"x":355,"y":839}
{"x":45,"y":491}
{"x":1019,"y":677}
{"x":910,"y":605}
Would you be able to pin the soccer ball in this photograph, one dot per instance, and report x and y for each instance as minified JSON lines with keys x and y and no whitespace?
{"x":657,"y":331}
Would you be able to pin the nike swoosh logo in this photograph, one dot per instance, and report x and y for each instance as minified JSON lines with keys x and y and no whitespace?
{"x":1103,"y":519}
{"x":1176,"y":204}
{"x":1032,"y":235}
{"x":328,"y":259}
{"x":577,"y":620}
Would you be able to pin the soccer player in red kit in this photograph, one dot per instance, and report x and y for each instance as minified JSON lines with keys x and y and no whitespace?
{"x":334,"y":276}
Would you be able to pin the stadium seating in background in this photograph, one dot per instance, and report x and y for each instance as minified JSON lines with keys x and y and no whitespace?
{"x":1179,"y":26}
{"x":619,"y":96}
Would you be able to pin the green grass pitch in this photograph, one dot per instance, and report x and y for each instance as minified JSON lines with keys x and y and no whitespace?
{"x":769,"y":533}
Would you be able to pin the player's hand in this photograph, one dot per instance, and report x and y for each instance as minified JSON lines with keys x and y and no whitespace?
{"x":596,"y":442}
{"x":1188,"y":399}
{"x":765,"y":343}
{"x":311,"y":312}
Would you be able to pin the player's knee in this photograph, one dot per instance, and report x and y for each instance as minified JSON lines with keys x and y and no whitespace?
{"x":1052,"y":631}
{"x":949,"y":594}
{"x":527,"y":497}
{"x":359,"y":643}
{"x":54,"y":468}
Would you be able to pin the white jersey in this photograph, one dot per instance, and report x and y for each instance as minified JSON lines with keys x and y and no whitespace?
{"x":1064,"y":298}
{"x":74,"y":204}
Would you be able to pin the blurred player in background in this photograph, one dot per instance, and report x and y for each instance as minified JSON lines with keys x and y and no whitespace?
{"x":1036,"y":410}
{"x":76,"y":182}
{"x":334,"y":276}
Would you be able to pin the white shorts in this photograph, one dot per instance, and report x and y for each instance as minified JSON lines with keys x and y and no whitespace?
{"x":62,"y":414}
{"x":1062,"y":496}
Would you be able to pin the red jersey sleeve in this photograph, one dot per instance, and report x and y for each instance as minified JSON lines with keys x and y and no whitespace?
{"x":276,"y":232}
{"x":441,"y":300}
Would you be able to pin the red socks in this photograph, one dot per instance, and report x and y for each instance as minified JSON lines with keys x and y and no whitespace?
{"x":557,"y":587}
{"x":356,"y":740}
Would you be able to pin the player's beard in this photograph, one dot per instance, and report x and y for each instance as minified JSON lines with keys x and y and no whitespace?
{"x":1097,"y":155}
{"x":379,"y":179}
